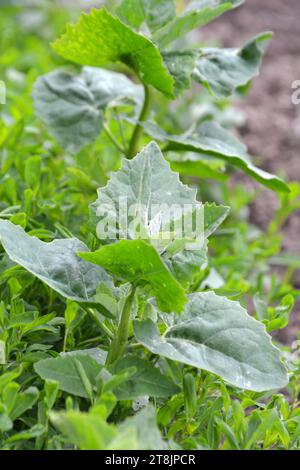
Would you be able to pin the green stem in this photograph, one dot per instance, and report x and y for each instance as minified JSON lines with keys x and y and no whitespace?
{"x":101,"y":325}
{"x":119,"y":343}
{"x":113,"y":139}
{"x":117,"y":116}
{"x":97,"y":320}
{"x":138,"y":130}
{"x":65,"y":339}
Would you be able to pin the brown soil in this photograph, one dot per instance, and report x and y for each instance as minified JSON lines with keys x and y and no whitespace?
{"x":272,"y":128}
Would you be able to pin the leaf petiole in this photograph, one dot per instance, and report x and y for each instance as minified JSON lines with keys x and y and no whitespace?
{"x":99,"y":323}
{"x":120,"y":341}
{"x":133,"y":148}
{"x":113,"y":139}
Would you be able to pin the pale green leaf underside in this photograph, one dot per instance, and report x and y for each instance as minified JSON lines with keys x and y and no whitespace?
{"x":189,"y":20}
{"x":64,"y":370}
{"x":147,"y":380}
{"x":99,"y":355}
{"x":144,"y":424}
{"x":186,"y":264}
{"x":213,"y":217}
{"x":147,"y":181}
{"x":24,"y":402}
{"x":211,"y":139}
{"x":131,"y":12}
{"x":100,"y":38}
{"x":222,"y":71}
{"x":198,"y":165}
{"x":137,"y":261}
{"x":181,"y":65}
{"x":72,"y":106}
{"x":217,"y":335}
{"x":55,"y":263}
{"x":147,"y":184}
{"x":155,"y":13}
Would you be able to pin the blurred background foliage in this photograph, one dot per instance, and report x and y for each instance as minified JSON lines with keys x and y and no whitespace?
{"x":47,"y":191}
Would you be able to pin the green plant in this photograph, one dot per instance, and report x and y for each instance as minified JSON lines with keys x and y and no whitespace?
{"x":138,"y":311}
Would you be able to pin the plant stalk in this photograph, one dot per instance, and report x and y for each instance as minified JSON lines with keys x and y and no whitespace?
{"x":119,"y":343}
{"x":113,"y":139}
{"x":138,"y":130}
{"x":100,"y":324}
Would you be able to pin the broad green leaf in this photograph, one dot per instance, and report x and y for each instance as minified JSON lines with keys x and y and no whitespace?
{"x":197,"y":4}
{"x":190,"y":19}
{"x":55,"y":263}
{"x":190,"y":163}
{"x":145,"y":426}
{"x":144,"y":189}
{"x":147,"y":380}
{"x":100,"y":38}
{"x":7,"y":377}
{"x":65,"y":371}
{"x":198,"y":165}
{"x":214,"y":216}
{"x":10,"y":395}
{"x":186,"y":264}
{"x":217,"y":335}
{"x":131,"y":12}
{"x":137,"y":261}
{"x":212,"y":139}
{"x":111,"y":382}
{"x":97,"y":354}
{"x":87,"y":431}
{"x":25,"y":401}
{"x":223,"y":71}
{"x":156,"y":13}
{"x":181,"y":65}
{"x":72,"y":106}
{"x":151,"y":188}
